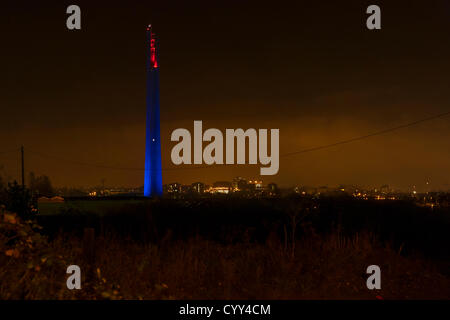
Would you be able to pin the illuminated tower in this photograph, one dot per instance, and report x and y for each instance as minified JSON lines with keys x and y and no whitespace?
{"x":153,"y":175}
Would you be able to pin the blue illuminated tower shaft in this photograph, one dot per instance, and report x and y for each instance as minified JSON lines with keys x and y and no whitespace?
{"x":153,"y":175}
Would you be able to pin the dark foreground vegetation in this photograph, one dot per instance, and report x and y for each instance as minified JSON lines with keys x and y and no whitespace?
{"x":225,"y":248}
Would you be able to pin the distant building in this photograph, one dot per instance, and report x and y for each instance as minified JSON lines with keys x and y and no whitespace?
{"x":239,"y":184}
{"x":256,"y":185}
{"x":198,"y":187}
{"x":52,"y":199}
{"x":174,"y":188}
{"x":185,"y":189}
{"x":272,"y":190}
{"x":384,"y":189}
{"x":224,"y":187}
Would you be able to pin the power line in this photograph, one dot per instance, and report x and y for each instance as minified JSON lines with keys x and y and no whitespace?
{"x":381,"y":132}
{"x":80,"y":162}
{"x":105,"y":166}
{"x":367,"y":135}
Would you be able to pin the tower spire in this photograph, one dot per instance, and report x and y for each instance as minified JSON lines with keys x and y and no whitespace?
{"x":152,"y":42}
{"x":153,"y":174}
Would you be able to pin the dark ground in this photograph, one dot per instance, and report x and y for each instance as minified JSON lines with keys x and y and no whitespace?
{"x":228,"y":248}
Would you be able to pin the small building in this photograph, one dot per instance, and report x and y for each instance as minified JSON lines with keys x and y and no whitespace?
{"x":223,"y":187}
{"x":174,"y":188}
{"x":198,"y":187}
{"x":54,"y":199}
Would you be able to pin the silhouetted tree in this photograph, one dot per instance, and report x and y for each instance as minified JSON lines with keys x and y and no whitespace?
{"x":18,"y":200}
{"x":40,"y":185}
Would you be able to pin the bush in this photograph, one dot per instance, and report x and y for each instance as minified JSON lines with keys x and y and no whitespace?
{"x":18,"y":199}
{"x":31,"y":267}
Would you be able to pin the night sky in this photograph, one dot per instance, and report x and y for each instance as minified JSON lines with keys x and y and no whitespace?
{"x":311,"y":69}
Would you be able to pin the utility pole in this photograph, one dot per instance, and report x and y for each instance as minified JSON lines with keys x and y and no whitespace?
{"x":23,"y":169}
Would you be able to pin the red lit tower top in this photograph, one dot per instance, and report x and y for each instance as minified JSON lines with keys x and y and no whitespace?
{"x":151,"y":36}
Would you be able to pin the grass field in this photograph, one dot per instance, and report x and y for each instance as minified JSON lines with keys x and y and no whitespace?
{"x":225,"y":248}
